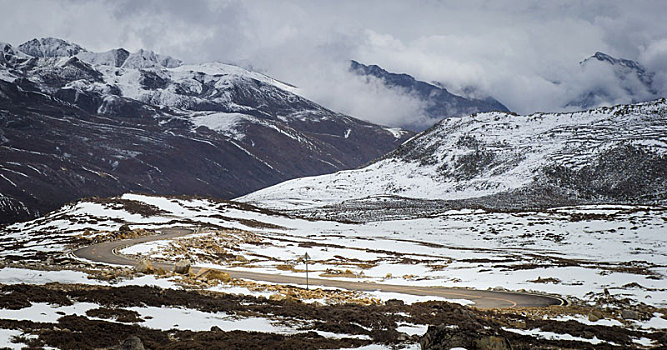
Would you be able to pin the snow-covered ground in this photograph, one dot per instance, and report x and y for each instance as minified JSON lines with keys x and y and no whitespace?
{"x":12,"y":275}
{"x":6,"y":336}
{"x":163,"y":318}
{"x":546,"y":252}
{"x":575,"y":252}
{"x":555,"y":336}
{"x":167,"y":318}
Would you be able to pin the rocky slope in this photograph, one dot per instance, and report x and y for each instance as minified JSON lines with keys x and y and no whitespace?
{"x":439,"y":103}
{"x":75,"y":123}
{"x":501,"y":160}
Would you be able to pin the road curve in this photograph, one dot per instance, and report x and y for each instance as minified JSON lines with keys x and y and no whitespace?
{"x":105,"y":252}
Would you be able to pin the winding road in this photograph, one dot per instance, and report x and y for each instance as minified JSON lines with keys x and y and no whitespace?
{"x":106,"y":252}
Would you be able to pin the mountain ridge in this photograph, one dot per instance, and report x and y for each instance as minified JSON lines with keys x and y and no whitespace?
{"x":439,"y":102}
{"x":77,"y":124}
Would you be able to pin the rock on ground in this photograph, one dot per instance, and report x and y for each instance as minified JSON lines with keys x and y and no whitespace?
{"x":629,"y":314}
{"x":182,"y":267}
{"x":131,"y":343}
{"x":144,"y":266}
{"x":218,"y":275}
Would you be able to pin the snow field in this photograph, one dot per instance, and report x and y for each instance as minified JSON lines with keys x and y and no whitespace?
{"x":576,"y":252}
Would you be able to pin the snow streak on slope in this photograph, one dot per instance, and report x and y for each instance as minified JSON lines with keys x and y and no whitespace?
{"x":224,"y":123}
{"x":485,"y":154}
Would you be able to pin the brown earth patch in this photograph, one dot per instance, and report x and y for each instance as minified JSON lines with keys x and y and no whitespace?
{"x":120,"y":315}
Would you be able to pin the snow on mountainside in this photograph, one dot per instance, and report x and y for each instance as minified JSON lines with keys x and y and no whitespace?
{"x":75,"y":123}
{"x":616,"y":154}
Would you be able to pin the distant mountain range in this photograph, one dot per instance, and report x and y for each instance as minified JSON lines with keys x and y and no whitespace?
{"x":500,"y":161}
{"x":75,"y":123}
{"x":439,"y":102}
{"x":605,"y":81}
{"x":619,"y":81}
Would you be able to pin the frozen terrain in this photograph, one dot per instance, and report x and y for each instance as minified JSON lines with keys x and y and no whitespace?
{"x":578,"y":252}
{"x":607,"y":259}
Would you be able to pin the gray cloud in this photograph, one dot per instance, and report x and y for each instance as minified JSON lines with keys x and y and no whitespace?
{"x":524,"y":53}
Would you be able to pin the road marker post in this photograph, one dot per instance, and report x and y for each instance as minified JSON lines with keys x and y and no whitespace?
{"x":306,"y":257}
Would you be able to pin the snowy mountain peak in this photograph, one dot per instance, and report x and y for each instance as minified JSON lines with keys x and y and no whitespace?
{"x":624,"y":68}
{"x":121,"y":58}
{"x":9,"y":57}
{"x":439,"y":103}
{"x":6,"y":52}
{"x":54,"y":48}
{"x":143,"y":121}
{"x":397,"y":79}
{"x":149,"y":59}
{"x":623,"y":81}
{"x":50,"y":47}
{"x":601,"y":56}
{"x":113,"y":58}
{"x":6,"y":48}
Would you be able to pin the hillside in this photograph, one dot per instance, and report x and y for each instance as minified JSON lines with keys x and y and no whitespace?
{"x":501,"y":160}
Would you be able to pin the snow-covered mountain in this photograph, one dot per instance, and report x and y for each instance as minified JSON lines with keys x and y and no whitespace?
{"x":439,"y":103}
{"x":614,"y":81}
{"x":50,"y":47}
{"x":501,"y":160}
{"x":75,"y":123}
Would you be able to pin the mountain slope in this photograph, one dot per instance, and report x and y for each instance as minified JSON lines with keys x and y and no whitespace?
{"x":501,"y":160}
{"x":439,"y":103}
{"x":74,"y":123}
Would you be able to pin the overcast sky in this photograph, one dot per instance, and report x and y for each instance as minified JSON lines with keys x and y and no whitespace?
{"x":524,"y":53}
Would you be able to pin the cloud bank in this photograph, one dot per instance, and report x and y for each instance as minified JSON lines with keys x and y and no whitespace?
{"x":524,"y":53}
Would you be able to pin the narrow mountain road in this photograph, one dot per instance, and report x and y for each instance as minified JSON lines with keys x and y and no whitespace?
{"x":106,"y":252}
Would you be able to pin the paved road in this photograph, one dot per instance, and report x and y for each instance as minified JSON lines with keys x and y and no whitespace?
{"x":106,"y":253}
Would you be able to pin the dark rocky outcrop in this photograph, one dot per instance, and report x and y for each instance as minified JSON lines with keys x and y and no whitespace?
{"x":444,"y":337}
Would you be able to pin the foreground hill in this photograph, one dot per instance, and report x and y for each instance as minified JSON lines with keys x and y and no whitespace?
{"x":75,"y":123}
{"x":501,"y":160}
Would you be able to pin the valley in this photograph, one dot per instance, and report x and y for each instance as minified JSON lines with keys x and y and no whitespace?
{"x":518,"y":232}
{"x":152,"y":203}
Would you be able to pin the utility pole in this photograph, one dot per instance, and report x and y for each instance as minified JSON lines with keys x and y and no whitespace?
{"x":306,"y":257}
